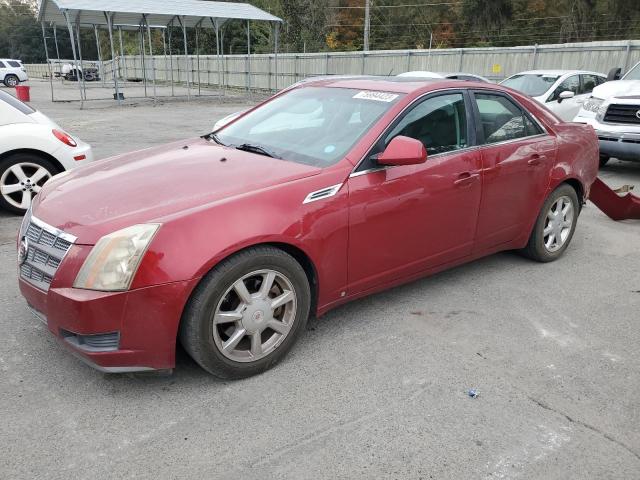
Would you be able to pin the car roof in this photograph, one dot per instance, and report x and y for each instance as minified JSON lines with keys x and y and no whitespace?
{"x":392,"y":84}
{"x":557,"y":72}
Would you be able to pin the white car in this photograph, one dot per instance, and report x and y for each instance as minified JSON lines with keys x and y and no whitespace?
{"x":613,"y":110}
{"x":12,"y":72}
{"x":33,"y":148}
{"x":561,"y":91}
{"x":451,"y":75}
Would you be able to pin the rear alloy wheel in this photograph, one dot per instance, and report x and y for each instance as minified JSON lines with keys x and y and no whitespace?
{"x":11,"y":80}
{"x":555,"y":225}
{"x":246,"y":313}
{"x":21,"y":178}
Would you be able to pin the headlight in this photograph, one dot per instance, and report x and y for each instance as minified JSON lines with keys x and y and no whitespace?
{"x":592,"y":104}
{"x":114,"y":260}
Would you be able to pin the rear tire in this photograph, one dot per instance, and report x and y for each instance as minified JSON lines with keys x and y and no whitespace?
{"x":604,"y":160}
{"x":11,"y":81}
{"x":22,"y":175}
{"x":557,"y":219}
{"x":227,"y":324}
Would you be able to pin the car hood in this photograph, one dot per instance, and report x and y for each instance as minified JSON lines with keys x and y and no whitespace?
{"x":148,"y":185}
{"x":618,"y":88}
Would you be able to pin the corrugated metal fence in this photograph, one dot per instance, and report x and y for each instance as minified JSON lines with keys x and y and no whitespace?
{"x":271,"y":72}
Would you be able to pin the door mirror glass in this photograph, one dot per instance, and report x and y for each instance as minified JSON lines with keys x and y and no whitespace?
{"x":567,"y":94}
{"x":403,"y":151}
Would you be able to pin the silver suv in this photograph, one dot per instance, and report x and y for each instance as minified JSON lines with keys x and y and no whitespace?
{"x":12,"y":72}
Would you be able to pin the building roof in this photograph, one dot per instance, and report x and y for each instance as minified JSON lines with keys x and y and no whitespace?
{"x":130,"y":12}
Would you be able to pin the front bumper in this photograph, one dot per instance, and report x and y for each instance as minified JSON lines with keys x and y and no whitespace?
{"x":618,"y":141}
{"x":144,"y":323}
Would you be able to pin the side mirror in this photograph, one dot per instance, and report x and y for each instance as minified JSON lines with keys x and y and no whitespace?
{"x":567,"y":94}
{"x":403,"y":151}
{"x":614,"y":74}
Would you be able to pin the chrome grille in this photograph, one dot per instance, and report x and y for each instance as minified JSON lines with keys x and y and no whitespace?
{"x":620,"y":113}
{"x":46,"y":247}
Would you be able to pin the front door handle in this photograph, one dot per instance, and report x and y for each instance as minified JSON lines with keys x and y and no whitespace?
{"x":465,"y":178}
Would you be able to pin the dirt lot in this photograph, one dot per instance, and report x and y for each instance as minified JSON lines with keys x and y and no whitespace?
{"x":375,"y":389}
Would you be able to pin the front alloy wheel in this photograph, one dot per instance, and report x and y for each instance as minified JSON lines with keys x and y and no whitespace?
{"x":246,"y":313}
{"x":22,"y":178}
{"x":254,"y":316}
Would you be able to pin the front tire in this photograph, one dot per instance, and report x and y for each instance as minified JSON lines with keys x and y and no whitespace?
{"x":555,"y":225}
{"x":22,"y":176}
{"x":246,"y":313}
{"x":11,"y":80}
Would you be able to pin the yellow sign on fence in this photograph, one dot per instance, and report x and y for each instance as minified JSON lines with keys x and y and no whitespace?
{"x":497,"y":68}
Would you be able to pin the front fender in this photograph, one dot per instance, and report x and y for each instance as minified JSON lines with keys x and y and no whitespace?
{"x":190,"y":245}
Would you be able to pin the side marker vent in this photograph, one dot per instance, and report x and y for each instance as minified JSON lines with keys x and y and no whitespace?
{"x":322,"y":194}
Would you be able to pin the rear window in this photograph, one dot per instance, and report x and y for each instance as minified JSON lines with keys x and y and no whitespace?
{"x":15,"y":103}
{"x":14,"y":64}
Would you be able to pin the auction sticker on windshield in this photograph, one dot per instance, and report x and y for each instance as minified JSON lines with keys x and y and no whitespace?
{"x":378,"y":96}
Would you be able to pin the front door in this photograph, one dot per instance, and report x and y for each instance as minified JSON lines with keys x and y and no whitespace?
{"x":405,"y":219}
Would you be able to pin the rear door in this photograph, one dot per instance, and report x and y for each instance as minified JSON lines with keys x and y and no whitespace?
{"x":517,"y":155}
{"x":3,"y":70}
{"x":405,"y":219}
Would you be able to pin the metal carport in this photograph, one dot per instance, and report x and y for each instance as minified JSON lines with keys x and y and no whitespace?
{"x":145,"y":14}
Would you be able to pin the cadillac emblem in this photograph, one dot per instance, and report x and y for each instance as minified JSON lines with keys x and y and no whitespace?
{"x":23,"y":250}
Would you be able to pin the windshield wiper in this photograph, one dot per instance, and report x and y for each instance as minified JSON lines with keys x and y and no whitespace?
{"x":214,"y":137}
{"x":250,"y":147}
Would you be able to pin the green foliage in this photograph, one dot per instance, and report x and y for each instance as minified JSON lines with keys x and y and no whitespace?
{"x":338,"y":25}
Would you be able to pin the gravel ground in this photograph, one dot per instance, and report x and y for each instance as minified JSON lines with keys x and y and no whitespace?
{"x":375,"y":389}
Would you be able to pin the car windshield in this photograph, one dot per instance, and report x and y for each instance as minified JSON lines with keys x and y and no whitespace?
{"x":532,"y":84}
{"x":633,"y":74}
{"x":312,"y":125}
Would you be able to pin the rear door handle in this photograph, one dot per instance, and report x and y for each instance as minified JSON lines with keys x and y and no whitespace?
{"x":535,"y":160}
{"x":465,"y":178}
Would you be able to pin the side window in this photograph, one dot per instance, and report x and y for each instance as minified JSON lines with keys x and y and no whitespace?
{"x":502,"y":119}
{"x":571,"y":84}
{"x":601,"y":80}
{"x":2,"y":65}
{"x":440,"y":123}
{"x":14,"y":64}
{"x":589,"y":82}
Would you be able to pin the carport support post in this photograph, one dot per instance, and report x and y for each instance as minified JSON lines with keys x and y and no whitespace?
{"x":216,"y":26}
{"x":55,"y":39}
{"x":143,"y":63}
{"x":109,"y":18}
{"x":100,"y":62}
{"x":249,"y":57}
{"x":164,"y":49}
{"x":123,"y":60}
{"x":153,"y":59}
{"x":46,"y":52}
{"x":198,"y":54}
{"x":186,"y":56}
{"x":81,"y":71}
{"x":73,"y":49}
{"x":171,"y":56}
{"x":277,"y":27}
